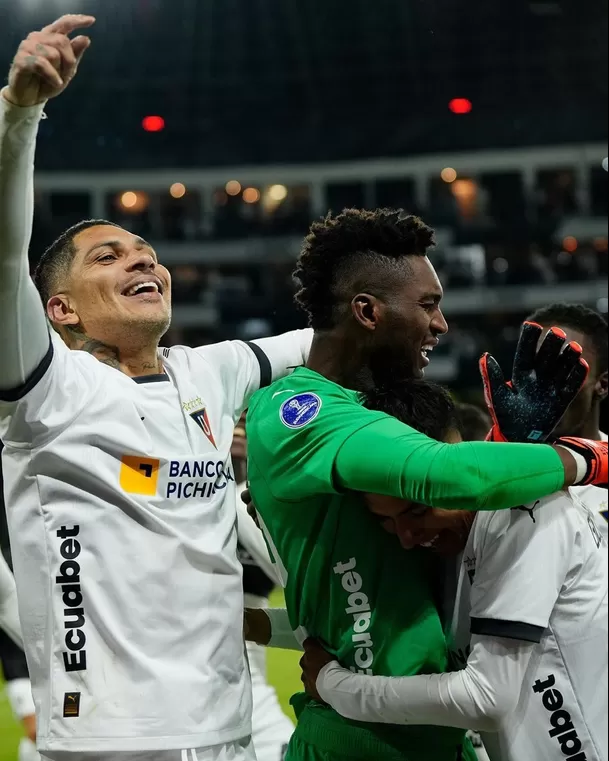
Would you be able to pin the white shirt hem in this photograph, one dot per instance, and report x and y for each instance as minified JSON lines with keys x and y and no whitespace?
{"x":168,"y":742}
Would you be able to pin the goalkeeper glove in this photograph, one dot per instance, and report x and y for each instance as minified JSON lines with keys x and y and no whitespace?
{"x":543,"y":385}
{"x":591,"y":458}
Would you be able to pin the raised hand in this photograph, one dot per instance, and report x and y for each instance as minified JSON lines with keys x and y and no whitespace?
{"x":543,"y":384}
{"x":46,"y":61}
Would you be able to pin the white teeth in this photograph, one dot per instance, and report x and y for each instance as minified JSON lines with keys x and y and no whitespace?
{"x":430,"y":543}
{"x":137,"y":288}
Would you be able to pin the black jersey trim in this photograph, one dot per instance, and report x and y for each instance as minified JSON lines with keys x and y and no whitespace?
{"x":15,"y":394}
{"x":495,"y":627}
{"x":266,"y":371}
{"x":156,"y":378}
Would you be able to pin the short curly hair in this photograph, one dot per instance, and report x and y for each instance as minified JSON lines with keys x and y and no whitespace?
{"x":577,"y":317}
{"x":423,"y":405}
{"x":353,"y":251}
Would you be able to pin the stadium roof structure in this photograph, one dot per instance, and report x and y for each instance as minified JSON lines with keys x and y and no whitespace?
{"x":266,"y":81}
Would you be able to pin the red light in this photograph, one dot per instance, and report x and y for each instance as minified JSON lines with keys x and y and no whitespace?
{"x":153,"y":123}
{"x":460,"y":106}
{"x":570,"y":244}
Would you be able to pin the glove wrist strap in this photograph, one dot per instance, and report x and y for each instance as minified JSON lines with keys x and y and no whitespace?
{"x":580,"y":462}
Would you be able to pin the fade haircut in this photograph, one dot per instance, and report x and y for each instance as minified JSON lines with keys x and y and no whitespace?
{"x":353,"y":251}
{"x":423,"y":405}
{"x":55,"y":263}
{"x":578,"y":317}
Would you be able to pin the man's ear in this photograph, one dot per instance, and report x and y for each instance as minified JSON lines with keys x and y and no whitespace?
{"x":60,"y":312}
{"x":601,"y":387}
{"x":367,"y":310}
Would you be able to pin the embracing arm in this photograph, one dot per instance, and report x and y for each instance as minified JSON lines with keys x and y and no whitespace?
{"x":478,"y":697}
{"x":283,"y":353}
{"x":270,"y":627}
{"x":390,"y":458}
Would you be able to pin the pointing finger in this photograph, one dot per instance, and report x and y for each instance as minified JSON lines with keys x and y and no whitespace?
{"x":69,"y":23}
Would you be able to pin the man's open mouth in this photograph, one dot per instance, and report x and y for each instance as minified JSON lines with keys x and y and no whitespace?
{"x":425,"y":349}
{"x":147,"y":286}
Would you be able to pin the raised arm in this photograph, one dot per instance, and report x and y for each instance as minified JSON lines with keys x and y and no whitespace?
{"x":43,"y":67}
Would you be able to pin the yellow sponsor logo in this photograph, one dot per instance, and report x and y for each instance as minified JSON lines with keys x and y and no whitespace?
{"x":139,"y":475}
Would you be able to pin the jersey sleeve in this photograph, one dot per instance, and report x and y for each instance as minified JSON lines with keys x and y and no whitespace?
{"x":51,"y":397}
{"x":478,"y":697}
{"x":522,"y":561}
{"x":24,"y":334}
{"x":246,"y":366}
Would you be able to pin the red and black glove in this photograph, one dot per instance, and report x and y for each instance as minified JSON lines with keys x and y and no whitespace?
{"x":594,"y":453}
{"x":543,"y":385}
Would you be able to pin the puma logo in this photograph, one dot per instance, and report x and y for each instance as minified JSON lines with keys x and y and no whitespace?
{"x":528,"y":510}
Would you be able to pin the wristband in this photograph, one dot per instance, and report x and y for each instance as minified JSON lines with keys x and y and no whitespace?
{"x":282,"y":634}
{"x":580,"y":463}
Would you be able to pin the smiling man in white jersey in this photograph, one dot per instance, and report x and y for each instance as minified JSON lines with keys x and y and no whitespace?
{"x":589,"y":329}
{"x":120,"y":491}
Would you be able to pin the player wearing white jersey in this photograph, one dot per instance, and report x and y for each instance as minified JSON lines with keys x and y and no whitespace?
{"x":529,"y":630}
{"x":119,"y":486}
{"x":589,"y":329}
{"x":271,"y":728}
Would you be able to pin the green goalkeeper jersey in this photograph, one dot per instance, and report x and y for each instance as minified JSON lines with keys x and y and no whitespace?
{"x":311,"y":446}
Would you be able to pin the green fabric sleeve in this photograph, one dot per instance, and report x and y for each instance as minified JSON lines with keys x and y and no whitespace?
{"x":387,"y":457}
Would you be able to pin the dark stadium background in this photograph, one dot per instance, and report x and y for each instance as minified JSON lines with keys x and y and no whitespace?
{"x":305,"y":105}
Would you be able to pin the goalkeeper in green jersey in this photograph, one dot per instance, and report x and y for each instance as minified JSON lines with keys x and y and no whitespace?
{"x":373,"y":299}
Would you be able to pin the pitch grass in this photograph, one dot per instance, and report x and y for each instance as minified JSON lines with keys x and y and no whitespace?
{"x":283,"y":671}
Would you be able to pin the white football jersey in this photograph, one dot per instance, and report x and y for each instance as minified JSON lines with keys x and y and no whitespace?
{"x":122,"y":516}
{"x":9,"y":618}
{"x":539,"y":574}
{"x":595,"y":500}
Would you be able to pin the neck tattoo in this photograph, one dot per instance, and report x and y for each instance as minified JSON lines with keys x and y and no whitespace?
{"x":104,"y":353}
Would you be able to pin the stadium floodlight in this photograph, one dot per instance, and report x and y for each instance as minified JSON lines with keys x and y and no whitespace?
{"x":278,"y":193}
{"x":448,"y":174}
{"x":233,"y":187}
{"x":251,"y":195}
{"x":177,"y":190}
